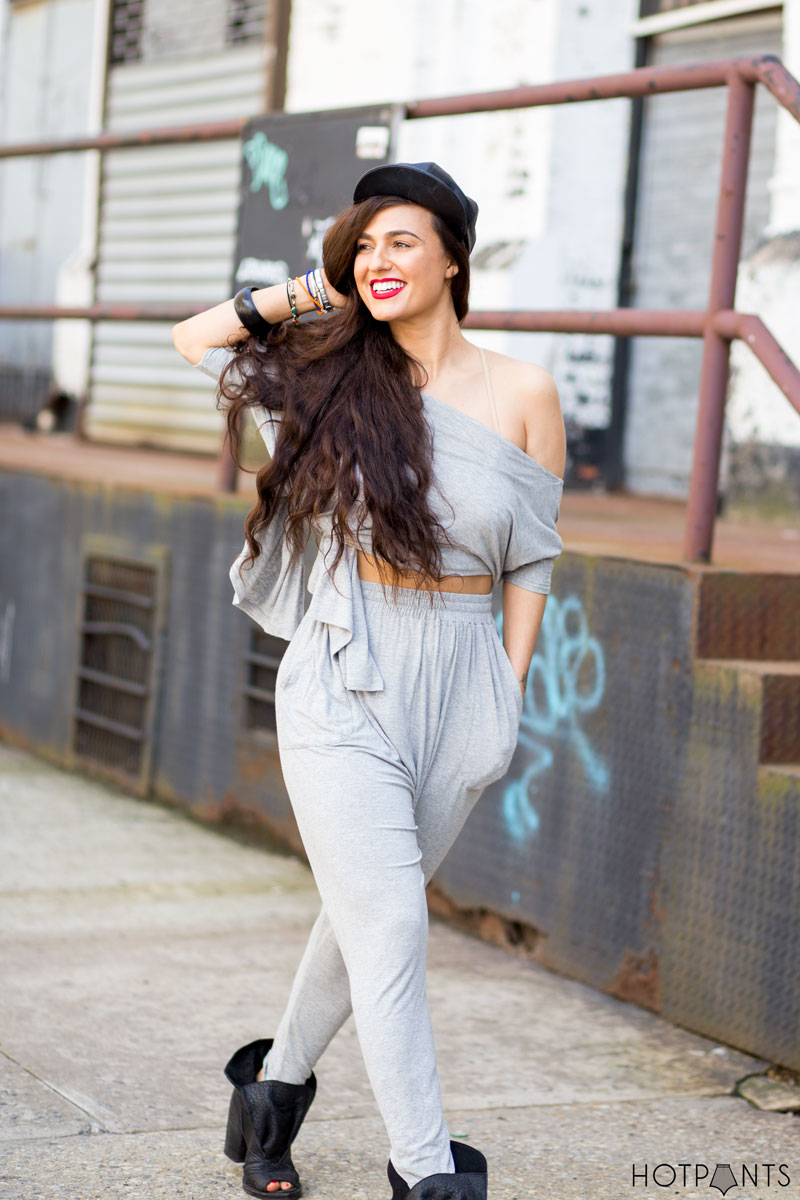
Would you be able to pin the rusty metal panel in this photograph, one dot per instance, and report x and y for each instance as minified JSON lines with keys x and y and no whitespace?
{"x":643,"y":841}
{"x":780,"y":714}
{"x":748,"y":615}
{"x":730,"y":881}
{"x":194,"y":687}
{"x":569,"y":841}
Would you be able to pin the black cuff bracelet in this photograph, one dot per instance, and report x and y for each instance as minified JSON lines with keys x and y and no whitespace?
{"x":248,"y":314}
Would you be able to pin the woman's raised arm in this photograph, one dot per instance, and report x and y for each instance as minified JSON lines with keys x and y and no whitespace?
{"x":220,"y":326}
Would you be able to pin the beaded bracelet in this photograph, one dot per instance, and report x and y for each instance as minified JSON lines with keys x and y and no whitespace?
{"x":245,"y":309}
{"x":290,"y":292}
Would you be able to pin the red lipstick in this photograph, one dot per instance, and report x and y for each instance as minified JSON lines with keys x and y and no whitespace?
{"x":385,"y":289}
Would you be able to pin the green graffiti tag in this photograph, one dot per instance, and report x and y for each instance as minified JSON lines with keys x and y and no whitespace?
{"x":267,"y":163}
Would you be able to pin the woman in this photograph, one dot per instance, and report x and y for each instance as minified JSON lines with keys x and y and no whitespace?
{"x":396,"y":702}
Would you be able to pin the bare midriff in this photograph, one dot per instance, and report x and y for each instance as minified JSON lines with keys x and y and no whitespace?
{"x":377,"y":571}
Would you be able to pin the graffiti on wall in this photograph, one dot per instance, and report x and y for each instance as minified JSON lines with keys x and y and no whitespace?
{"x":566,"y":680}
{"x":267,"y":163}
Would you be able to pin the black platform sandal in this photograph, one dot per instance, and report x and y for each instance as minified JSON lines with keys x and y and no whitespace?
{"x":468,"y":1183}
{"x":263,"y":1120}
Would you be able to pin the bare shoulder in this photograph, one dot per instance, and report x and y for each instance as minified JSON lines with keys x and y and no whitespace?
{"x":531,"y":399}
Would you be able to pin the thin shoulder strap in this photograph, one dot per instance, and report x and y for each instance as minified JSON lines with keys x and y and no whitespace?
{"x":489,"y":388}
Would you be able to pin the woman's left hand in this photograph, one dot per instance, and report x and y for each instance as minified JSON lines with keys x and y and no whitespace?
{"x":337,"y":299}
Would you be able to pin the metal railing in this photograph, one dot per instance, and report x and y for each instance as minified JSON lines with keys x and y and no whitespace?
{"x":718,"y":324}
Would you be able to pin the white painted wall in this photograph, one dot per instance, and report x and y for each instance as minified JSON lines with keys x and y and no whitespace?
{"x":587,"y":169}
{"x":4,"y":13}
{"x":769,"y":284}
{"x":75,"y":288}
{"x":548,"y":181}
{"x":679,"y":179}
{"x":53,"y":72}
{"x":46,"y":87}
{"x":785,"y":183}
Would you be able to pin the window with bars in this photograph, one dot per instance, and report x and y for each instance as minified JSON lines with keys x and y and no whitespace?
{"x":149,"y":30}
{"x":261,"y":664}
{"x":114,"y":691}
{"x":244,"y":20}
{"x":649,"y":8}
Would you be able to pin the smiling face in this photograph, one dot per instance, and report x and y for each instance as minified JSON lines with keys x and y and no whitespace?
{"x":400,"y":266}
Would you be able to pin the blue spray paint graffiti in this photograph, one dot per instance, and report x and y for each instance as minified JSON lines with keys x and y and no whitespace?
{"x":567,"y":678}
{"x":267,"y":163}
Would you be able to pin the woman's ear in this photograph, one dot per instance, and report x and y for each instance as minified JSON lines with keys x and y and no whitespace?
{"x":452,"y":269}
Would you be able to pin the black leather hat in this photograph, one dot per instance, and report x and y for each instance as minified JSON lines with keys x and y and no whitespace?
{"x":424,"y":183}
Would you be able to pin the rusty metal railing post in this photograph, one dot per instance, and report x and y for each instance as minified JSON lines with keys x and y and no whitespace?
{"x":227,"y":469}
{"x":718,"y":324}
{"x":704,"y":481}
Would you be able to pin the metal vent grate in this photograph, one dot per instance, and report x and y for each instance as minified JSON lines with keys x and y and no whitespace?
{"x":149,"y":30}
{"x":24,"y":391}
{"x":127,"y":20}
{"x":245,"y":20}
{"x":116,"y":666}
{"x":262,"y":661}
{"x":649,"y":8}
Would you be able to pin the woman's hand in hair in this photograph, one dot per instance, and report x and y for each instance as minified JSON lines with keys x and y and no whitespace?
{"x":337,"y":299}
{"x":220,"y":325}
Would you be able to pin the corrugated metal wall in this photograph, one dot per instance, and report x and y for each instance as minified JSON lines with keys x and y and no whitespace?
{"x":167,"y":230}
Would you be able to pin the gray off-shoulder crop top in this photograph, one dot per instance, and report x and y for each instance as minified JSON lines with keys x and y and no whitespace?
{"x":498,"y":505}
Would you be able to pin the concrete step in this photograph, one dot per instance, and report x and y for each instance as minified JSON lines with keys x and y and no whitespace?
{"x":753,"y":616}
{"x":788,"y":773}
{"x":779,"y":686}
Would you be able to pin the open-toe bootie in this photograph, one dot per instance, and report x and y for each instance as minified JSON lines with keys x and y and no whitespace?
{"x":263,"y":1120}
{"x":468,"y":1183}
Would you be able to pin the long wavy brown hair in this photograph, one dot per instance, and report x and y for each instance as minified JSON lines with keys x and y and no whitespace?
{"x":349,"y":397}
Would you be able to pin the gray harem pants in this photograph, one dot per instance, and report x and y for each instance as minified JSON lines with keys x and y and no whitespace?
{"x":381,"y":783}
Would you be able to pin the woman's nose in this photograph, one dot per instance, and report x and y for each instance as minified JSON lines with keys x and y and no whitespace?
{"x":379,"y":259}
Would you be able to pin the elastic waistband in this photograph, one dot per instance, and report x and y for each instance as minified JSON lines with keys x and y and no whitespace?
{"x":427,"y":601}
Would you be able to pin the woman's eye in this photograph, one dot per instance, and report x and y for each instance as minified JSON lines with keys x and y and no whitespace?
{"x":365,"y":246}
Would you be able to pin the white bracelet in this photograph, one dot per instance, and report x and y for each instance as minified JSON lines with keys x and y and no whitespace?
{"x":322,"y":295}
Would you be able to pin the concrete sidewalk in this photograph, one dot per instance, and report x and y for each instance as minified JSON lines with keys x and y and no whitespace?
{"x":140,"y":949}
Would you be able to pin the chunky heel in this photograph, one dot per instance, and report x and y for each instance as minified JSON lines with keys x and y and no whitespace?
{"x":263,"y":1120}
{"x":235,"y":1144}
{"x":468,"y":1183}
